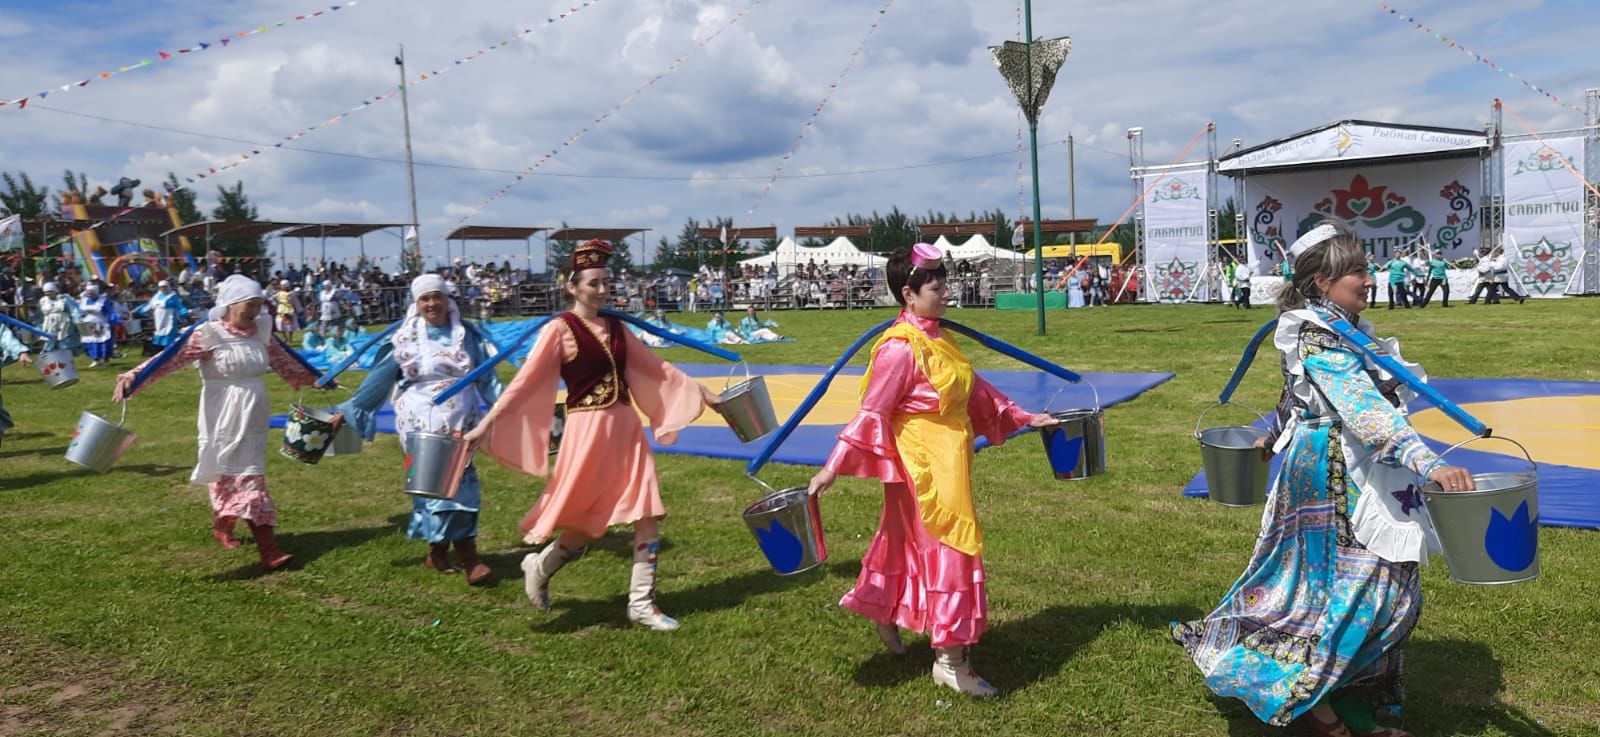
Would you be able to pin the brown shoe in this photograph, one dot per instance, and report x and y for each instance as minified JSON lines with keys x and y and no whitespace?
{"x":467,"y":550}
{"x":438,"y":559}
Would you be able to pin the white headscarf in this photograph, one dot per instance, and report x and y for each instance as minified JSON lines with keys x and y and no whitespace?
{"x":233,"y":290}
{"x":415,"y":327}
{"x":50,"y":286}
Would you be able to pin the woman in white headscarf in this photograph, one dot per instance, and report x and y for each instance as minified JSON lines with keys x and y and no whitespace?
{"x":97,"y":313}
{"x":166,"y":309}
{"x":234,"y":349}
{"x":328,"y":306}
{"x":58,"y":315}
{"x":431,"y":350}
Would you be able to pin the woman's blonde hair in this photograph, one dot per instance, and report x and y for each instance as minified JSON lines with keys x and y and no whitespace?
{"x":1335,"y":257}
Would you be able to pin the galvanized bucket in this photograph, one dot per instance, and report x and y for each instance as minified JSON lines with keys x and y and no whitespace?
{"x":308,"y":433}
{"x":57,"y":368}
{"x":435,"y":463}
{"x":1491,"y":535}
{"x":1236,"y":469}
{"x":1076,"y":445}
{"x":346,"y":441}
{"x":747,"y":407}
{"x":97,"y":444}
{"x":788,"y":527}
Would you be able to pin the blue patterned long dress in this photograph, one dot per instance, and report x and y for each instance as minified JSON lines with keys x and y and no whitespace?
{"x":1332,"y":591}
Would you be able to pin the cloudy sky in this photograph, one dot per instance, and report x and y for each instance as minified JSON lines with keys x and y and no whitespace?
{"x":922,"y":121}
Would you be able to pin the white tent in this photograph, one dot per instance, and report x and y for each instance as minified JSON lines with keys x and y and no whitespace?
{"x":788,"y":255}
{"x":977,"y":249}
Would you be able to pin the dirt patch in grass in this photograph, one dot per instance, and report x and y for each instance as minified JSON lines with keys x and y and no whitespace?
{"x":53,"y":691}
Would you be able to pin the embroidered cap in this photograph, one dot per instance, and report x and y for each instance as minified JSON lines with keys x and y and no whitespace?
{"x":1311,"y":238}
{"x":591,"y":255}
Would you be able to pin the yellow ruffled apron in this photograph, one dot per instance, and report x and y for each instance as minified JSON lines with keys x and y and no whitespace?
{"x":936,"y":448}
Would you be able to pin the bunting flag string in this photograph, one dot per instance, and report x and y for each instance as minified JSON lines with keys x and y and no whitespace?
{"x":1486,"y":61}
{"x":826,"y":97}
{"x":163,"y":55}
{"x":375,"y":99}
{"x":572,"y":139}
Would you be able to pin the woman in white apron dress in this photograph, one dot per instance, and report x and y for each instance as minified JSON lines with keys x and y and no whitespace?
{"x":94,"y":325}
{"x":165,"y":309}
{"x":432,"y":350}
{"x":58,"y":316}
{"x":235,"y":349}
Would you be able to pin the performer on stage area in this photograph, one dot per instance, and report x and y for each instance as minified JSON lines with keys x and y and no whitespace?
{"x":11,"y":350}
{"x":432,"y":349}
{"x":234,"y":350}
{"x":1398,"y":268}
{"x":166,"y":309}
{"x":605,"y":474}
{"x":922,"y":405}
{"x":1438,"y":277}
{"x":1315,"y":628}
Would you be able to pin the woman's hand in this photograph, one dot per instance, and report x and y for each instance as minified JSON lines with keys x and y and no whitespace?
{"x":711,"y":398}
{"x":1043,"y":419}
{"x":1265,"y":451}
{"x":120,"y":392}
{"x":821,"y":482}
{"x":476,"y":435}
{"x":1452,"y":478}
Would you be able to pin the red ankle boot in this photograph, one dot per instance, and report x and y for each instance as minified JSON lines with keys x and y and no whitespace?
{"x":438,"y":559}
{"x":222,"y":530}
{"x":467,"y":550}
{"x":267,"y":545}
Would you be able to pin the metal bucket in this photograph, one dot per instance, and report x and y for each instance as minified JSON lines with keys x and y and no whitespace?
{"x":747,"y":407}
{"x":308,"y":433}
{"x":97,"y":444}
{"x":57,"y":368}
{"x":788,"y":527}
{"x":1076,"y":445}
{"x":346,"y":442}
{"x":1491,"y":535}
{"x":1236,"y":470}
{"x":435,"y":463}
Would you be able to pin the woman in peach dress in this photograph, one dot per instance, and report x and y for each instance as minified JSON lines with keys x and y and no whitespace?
{"x":605,"y":474}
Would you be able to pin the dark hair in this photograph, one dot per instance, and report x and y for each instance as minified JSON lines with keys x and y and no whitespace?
{"x":902,"y":274}
{"x":1333,"y":258}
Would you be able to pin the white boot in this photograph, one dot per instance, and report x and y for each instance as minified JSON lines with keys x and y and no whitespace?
{"x":642,"y":590}
{"x":890,"y":634}
{"x":537,"y":568}
{"x":952,"y":668}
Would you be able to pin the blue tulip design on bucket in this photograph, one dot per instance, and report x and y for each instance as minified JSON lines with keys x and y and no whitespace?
{"x":1512,"y":543}
{"x":1064,"y":452}
{"x":782,"y":547}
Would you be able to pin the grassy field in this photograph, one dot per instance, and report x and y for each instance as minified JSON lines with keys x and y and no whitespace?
{"x":119,"y":614}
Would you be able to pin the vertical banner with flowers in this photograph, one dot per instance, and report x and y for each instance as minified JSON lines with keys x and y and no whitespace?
{"x":1544,"y":213}
{"x":1392,"y":207}
{"x":1175,"y":224}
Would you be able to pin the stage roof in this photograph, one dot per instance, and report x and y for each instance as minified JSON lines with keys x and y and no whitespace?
{"x":1336,"y":143}
{"x":585,"y":234}
{"x":756,"y":231}
{"x":831,"y":231}
{"x":337,"y":230}
{"x":230,"y":228}
{"x":494,"y":232}
{"x":1080,"y":225}
{"x":949,"y":229}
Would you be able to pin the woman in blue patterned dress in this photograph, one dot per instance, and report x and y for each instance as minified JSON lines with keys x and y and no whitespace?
{"x":1315,"y":628}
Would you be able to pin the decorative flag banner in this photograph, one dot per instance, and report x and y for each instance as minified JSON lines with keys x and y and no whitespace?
{"x":1175,"y":235}
{"x":161,"y":55}
{"x":572,"y":139}
{"x":812,"y":121}
{"x":1454,"y":44}
{"x":1544,"y":213}
{"x":369,"y":102}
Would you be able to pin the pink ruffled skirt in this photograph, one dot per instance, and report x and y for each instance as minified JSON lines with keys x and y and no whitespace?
{"x":910,"y":579}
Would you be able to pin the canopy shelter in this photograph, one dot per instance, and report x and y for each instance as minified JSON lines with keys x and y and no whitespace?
{"x":764,"y":232}
{"x":617,"y":236}
{"x":975,"y":249}
{"x":240,"y":229}
{"x":38,"y":230}
{"x":324,"y":231}
{"x":790,"y":255}
{"x":1078,"y":225}
{"x":522,"y":233}
{"x":941,"y":230}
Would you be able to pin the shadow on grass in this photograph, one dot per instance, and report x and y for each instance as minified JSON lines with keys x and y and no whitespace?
{"x":42,"y":478}
{"x":723,"y":594}
{"x":58,"y":450}
{"x":1020,"y":653}
{"x":154,"y":470}
{"x":304,"y":546}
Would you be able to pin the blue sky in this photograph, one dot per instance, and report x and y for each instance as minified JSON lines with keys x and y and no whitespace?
{"x":704,"y":140}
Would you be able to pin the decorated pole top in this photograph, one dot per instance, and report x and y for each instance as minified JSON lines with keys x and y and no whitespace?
{"x":1012,"y":59}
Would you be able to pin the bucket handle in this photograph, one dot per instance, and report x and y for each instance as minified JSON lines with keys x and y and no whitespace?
{"x":124,"y":417}
{"x":1440,"y":462}
{"x":729,"y":381}
{"x":761,"y":483}
{"x":1063,"y":387}
{"x":1202,"y":417}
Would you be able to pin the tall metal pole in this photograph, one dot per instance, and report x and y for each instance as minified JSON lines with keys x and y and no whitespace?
{"x":1033,"y":149}
{"x":1072,"y":189}
{"x":411,"y":174}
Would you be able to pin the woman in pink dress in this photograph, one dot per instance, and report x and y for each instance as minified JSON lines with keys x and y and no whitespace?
{"x":605,"y":474}
{"x":234,"y":350}
{"x":921,"y":409}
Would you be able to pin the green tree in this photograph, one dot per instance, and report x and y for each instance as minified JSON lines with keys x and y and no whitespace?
{"x":71,"y":183}
{"x":183,"y":200}
{"x":21,"y":197}
{"x":234,"y":204}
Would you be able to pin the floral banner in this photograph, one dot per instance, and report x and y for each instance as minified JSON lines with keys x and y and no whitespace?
{"x":1392,"y":208}
{"x":1544,"y":212}
{"x":1176,"y":222}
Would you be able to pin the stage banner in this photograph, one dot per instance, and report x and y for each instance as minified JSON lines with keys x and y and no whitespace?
{"x":1175,"y":220}
{"x":1392,"y":207}
{"x":1544,"y":213}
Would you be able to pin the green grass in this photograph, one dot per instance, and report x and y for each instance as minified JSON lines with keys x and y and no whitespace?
{"x":117,"y":611}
